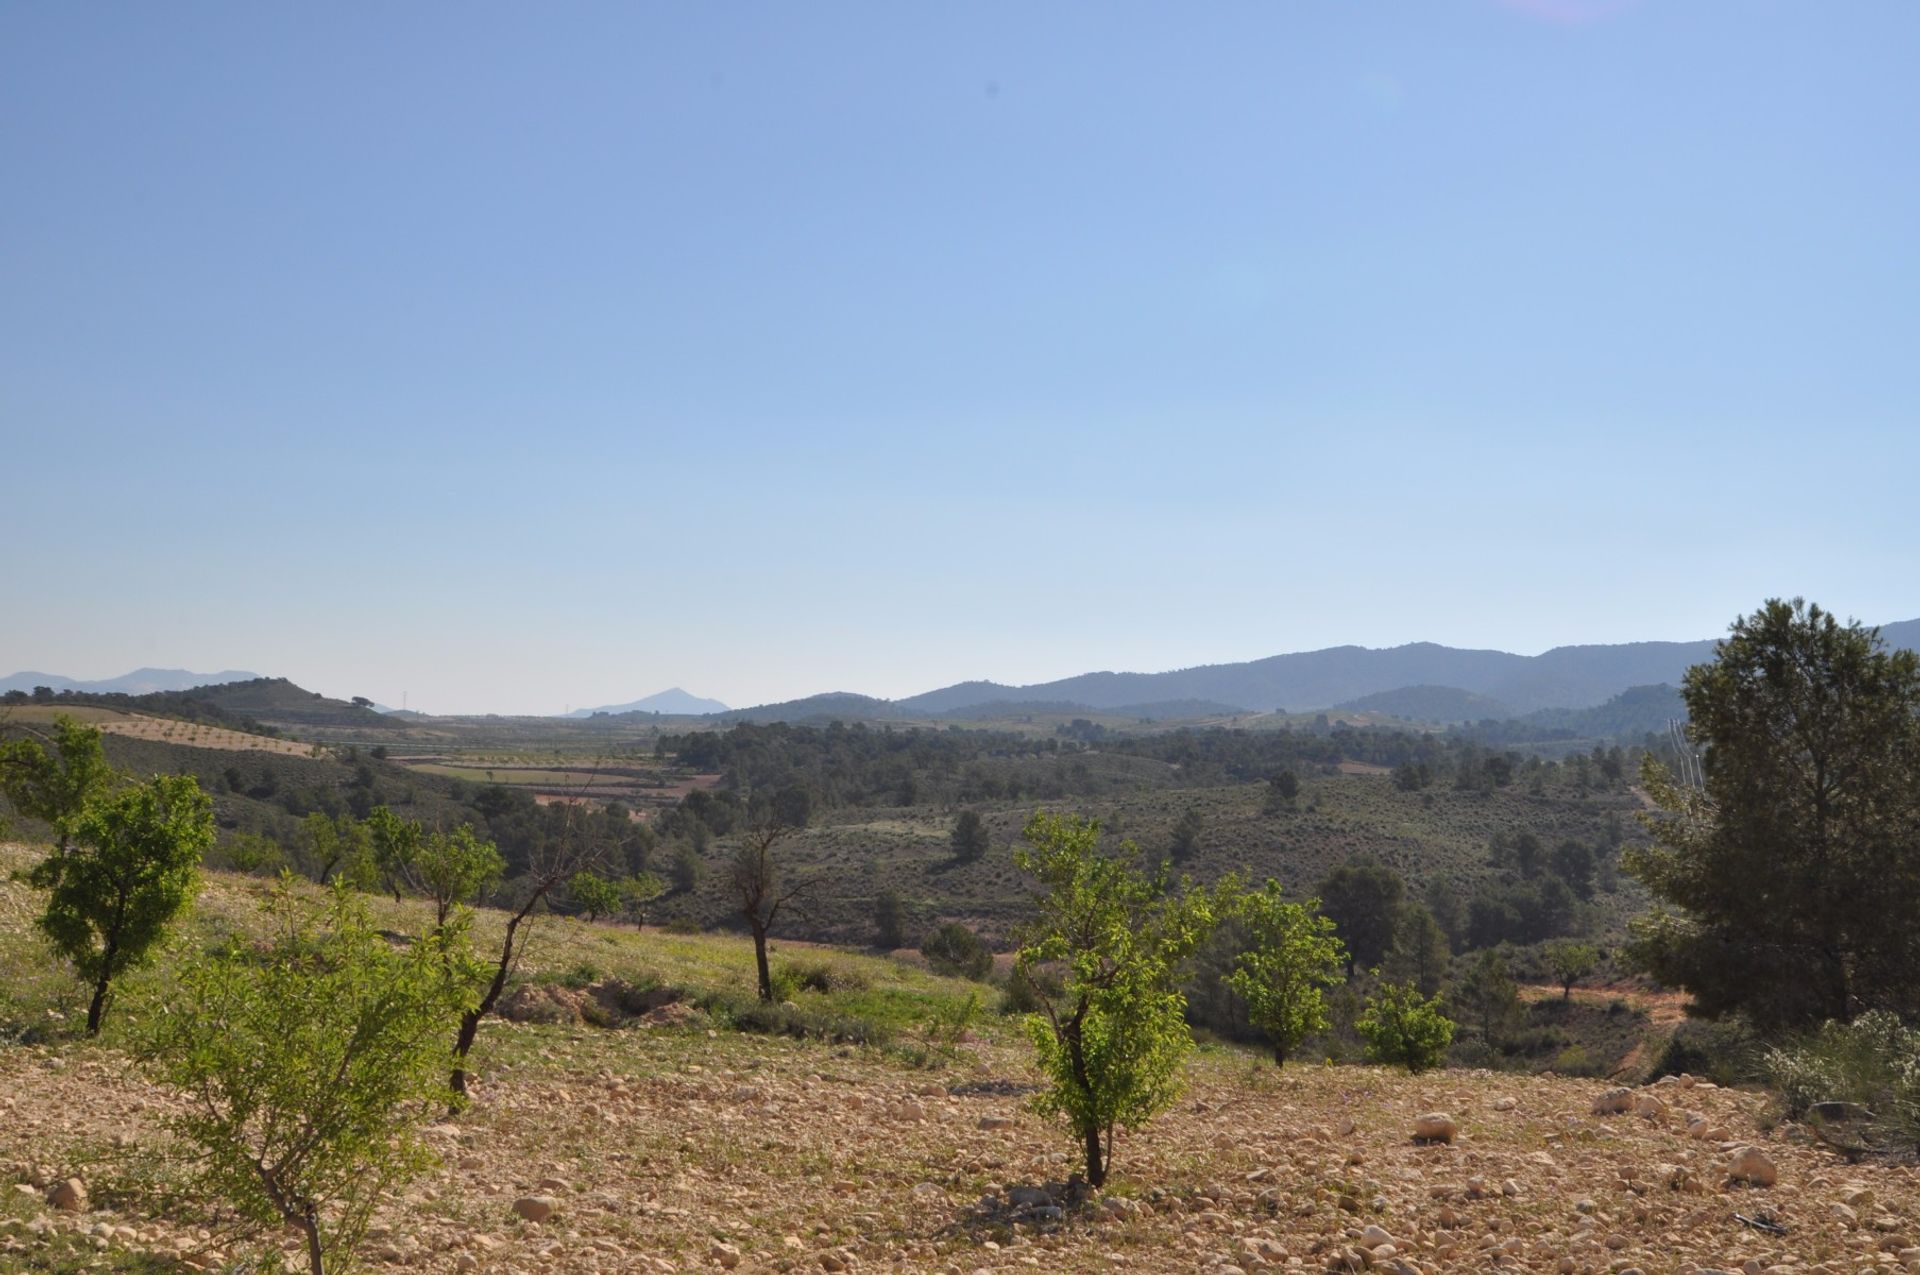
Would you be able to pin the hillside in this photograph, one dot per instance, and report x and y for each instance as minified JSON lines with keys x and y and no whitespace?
{"x":674,"y":1144}
{"x":142,"y":681}
{"x":1428,"y":704}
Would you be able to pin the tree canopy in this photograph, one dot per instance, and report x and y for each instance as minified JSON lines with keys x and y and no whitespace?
{"x":1789,"y":878}
{"x":1112,"y":1038}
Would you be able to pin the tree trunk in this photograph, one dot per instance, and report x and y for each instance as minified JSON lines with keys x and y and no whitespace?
{"x":316,"y":1260}
{"x":470,"y":1021}
{"x":98,"y":1009}
{"x":760,"y":963}
{"x":1279,"y":1054}
{"x":1096,"y":1161}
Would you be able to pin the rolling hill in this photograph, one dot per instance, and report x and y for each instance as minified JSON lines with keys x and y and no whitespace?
{"x":142,"y":681}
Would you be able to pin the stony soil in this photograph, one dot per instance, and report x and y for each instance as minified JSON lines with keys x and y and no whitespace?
{"x":675,"y":1148}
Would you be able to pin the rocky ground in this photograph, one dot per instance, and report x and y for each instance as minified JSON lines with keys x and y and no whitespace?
{"x":676,"y":1148}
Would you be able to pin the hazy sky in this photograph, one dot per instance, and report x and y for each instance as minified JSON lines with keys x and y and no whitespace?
{"x":522,"y":356}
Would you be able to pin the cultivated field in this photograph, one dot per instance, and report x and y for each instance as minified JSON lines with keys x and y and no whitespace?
{"x":677,"y":1145}
{"x":159,"y":729}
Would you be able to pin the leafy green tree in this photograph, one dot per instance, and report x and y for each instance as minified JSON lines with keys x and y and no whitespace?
{"x":331,"y":848}
{"x":970,"y":838}
{"x":686,"y":867}
{"x":1787,"y":880}
{"x":1573,"y":862}
{"x":130,"y":873}
{"x":310,"y":1065}
{"x":1110,"y":1038}
{"x":1402,"y":1028}
{"x":450,"y":868}
{"x":1420,"y":954}
{"x":637,"y":890}
{"x":955,"y":949}
{"x":1570,"y":962}
{"x":1488,"y":996}
{"x":889,"y":920}
{"x":1187,"y":829}
{"x":1363,"y":898}
{"x":1283,"y":790}
{"x":593,"y":894}
{"x":1292,"y":958}
{"x":392,"y":843}
{"x":56,"y":787}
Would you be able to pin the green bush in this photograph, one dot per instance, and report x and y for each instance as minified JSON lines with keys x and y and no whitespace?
{"x":1019,"y":996}
{"x":1405,"y":1029}
{"x":1873,"y":1061}
{"x":818,"y":976}
{"x":955,"y":949}
{"x":783,"y":1018}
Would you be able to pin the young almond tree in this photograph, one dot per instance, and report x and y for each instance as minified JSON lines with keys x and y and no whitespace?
{"x":308,"y":1066}
{"x":132,"y":870}
{"x":1292,"y":957}
{"x":1111,"y":1038}
{"x":55,"y":787}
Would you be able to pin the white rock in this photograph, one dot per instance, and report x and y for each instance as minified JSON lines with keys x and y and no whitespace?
{"x":1435,"y":1126}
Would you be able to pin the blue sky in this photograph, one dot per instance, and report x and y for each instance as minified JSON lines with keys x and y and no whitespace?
{"x":516,"y":357}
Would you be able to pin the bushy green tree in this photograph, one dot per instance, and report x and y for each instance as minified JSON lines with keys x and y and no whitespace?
{"x":1112,"y":1037}
{"x":451,"y":868}
{"x":1420,"y":953}
{"x":1187,"y":829}
{"x":1787,"y":877}
{"x":1402,"y":1028}
{"x":310,"y":1063}
{"x":1291,"y":959}
{"x":1283,"y":790}
{"x":969,"y":837}
{"x":130,"y":872}
{"x":955,"y":949}
{"x":1488,"y":997}
{"x":889,"y":919}
{"x":1571,"y":962}
{"x":593,"y":894}
{"x":1363,"y":898}
{"x":56,"y":787}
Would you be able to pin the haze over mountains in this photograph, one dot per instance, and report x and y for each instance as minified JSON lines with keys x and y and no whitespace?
{"x":1422,"y":680}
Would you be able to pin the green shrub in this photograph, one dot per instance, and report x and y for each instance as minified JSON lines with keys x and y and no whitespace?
{"x":955,"y":949}
{"x":1018,"y":994}
{"x":818,"y":976}
{"x":1873,"y":1061}
{"x":1403,"y":1028}
{"x":582,"y":975}
{"x":1574,"y":1060}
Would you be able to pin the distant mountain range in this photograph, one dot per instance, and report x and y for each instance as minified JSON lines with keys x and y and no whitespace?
{"x":142,"y":681}
{"x":674,"y":702}
{"x":1421,"y":681}
{"x":1417,"y":675}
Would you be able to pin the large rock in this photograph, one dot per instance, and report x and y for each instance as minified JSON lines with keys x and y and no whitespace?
{"x":1754,"y":1167}
{"x":535,"y":1208}
{"x":1435,"y":1126}
{"x":1613,"y":1102}
{"x":69,"y":1196}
